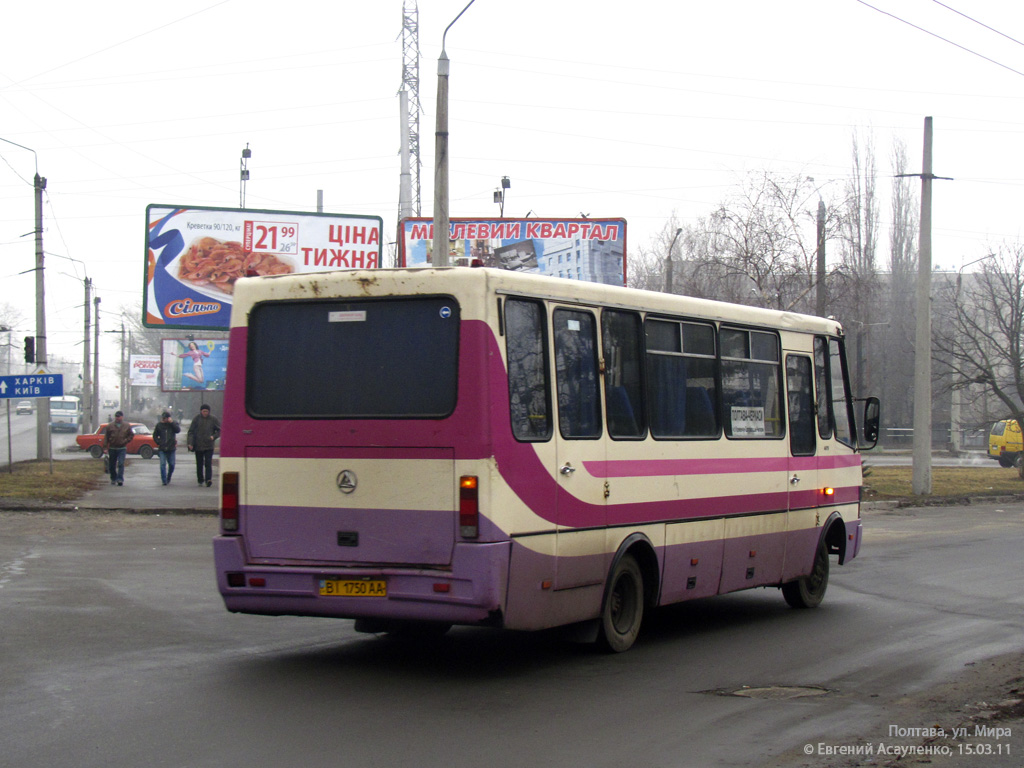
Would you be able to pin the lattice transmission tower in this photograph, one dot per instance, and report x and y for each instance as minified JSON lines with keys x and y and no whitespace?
{"x":411,"y":87}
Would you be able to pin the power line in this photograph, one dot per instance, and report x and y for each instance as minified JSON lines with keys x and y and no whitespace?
{"x":979,"y":23}
{"x":943,"y":39}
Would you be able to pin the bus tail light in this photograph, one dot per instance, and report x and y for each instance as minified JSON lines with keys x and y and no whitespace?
{"x":469,"y":507}
{"x":229,"y":502}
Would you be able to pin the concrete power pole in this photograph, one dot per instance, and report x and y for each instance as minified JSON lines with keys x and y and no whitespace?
{"x":820,"y":277}
{"x":96,"y":363}
{"x":921,"y":481}
{"x":439,"y":256}
{"x":922,"y":474}
{"x":441,"y":221}
{"x":88,"y":424}
{"x":43,"y":403}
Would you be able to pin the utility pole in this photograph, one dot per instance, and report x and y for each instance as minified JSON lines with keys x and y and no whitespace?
{"x":668,"y":261}
{"x":439,"y":256}
{"x":125,"y":400}
{"x":88,"y":426}
{"x":441,"y":221}
{"x":921,"y":480}
{"x":96,"y":363}
{"x":820,"y":295}
{"x":43,"y":403}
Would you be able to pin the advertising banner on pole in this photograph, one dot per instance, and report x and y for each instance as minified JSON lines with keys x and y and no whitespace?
{"x":577,"y":249}
{"x":195,"y":255}
{"x":144,"y":370}
{"x":193,"y":364}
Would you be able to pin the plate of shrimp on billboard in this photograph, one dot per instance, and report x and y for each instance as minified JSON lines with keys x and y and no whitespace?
{"x":195,"y":255}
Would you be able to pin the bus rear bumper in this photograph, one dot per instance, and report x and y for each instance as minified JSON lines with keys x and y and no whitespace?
{"x":472,"y":591}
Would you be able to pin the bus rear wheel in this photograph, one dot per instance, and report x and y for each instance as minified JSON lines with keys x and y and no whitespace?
{"x":809,"y":591}
{"x":623,"y":609}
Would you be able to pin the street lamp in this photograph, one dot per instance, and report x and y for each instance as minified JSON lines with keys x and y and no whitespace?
{"x":499,"y":194}
{"x":243,"y":174}
{"x":43,"y":410}
{"x":441,"y":224}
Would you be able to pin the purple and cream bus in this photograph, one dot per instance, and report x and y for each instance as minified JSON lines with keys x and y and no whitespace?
{"x":417,"y":448}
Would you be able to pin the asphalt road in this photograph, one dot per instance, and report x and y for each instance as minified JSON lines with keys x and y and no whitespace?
{"x":117,"y":653}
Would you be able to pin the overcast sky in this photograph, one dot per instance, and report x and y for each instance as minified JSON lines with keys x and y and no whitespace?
{"x":638,"y":110}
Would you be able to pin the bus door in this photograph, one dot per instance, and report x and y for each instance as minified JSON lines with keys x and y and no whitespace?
{"x":804,"y":491}
{"x":580,"y":505}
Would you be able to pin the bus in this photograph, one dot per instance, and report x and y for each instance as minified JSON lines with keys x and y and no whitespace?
{"x":420,"y":448}
{"x":65,"y":413}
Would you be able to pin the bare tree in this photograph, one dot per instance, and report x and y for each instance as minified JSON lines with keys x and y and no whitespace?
{"x":979,"y":329}
{"x":761,"y":241}
{"x":10,"y":319}
{"x":896,"y":357}
{"x":858,"y":245}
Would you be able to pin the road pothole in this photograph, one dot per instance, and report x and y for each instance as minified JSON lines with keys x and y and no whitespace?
{"x":774,"y":692}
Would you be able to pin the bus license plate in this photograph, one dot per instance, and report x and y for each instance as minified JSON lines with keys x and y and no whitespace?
{"x":353,"y":588}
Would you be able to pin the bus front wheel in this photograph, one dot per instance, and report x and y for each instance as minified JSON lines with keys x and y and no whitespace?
{"x":623,"y":609}
{"x":809,"y":591}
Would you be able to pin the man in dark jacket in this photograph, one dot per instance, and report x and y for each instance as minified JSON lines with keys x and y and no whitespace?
{"x":165,"y":437}
{"x":116,"y":438}
{"x":202,"y":432}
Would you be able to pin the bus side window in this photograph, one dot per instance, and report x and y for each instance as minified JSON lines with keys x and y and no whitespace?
{"x":576,"y":374}
{"x":529,"y":391}
{"x":751,"y":383}
{"x":822,"y":388}
{"x":622,"y":345}
{"x":842,"y":408}
{"x":681,"y":378}
{"x":801,"y":405}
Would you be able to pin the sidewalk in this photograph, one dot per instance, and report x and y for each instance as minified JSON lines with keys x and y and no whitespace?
{"x":143,"y":492}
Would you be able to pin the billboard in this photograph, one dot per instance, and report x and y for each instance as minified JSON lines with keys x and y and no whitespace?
{"x":144,"y":370}
{"x":195,"y":255}
{"x":577,"y":249}
{"x":189,"y":365}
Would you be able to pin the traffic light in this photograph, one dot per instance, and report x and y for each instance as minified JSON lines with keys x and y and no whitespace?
{"x":30,"y":349}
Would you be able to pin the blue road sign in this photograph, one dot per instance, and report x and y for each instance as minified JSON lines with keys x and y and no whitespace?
{"x":31,"y":385}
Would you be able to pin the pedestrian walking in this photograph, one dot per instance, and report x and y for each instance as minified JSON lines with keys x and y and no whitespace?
{"x":115,"y":440}
{"x":165,"y":437}
{"x":202,"y":433}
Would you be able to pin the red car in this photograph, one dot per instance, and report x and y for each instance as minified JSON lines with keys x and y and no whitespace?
{"x":142,"y":441}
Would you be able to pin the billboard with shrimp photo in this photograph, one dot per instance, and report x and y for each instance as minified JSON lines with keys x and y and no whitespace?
{"x":193,"y":364}
{"x":194,"y":256}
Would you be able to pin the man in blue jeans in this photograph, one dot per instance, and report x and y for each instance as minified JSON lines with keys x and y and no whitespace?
{"x":115,"y":440}
{"x":165,"y":437}
{"x":202,"y":433}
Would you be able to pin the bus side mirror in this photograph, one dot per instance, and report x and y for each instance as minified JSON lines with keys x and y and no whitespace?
{"x":872,"y":416}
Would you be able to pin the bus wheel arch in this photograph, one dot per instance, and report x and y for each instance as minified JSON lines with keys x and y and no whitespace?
{"x":631,"y":586}
{"x":808,"y":591}
{"x":834,"y":536}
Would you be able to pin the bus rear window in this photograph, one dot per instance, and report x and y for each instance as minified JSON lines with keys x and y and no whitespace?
{"x":386,"y":358}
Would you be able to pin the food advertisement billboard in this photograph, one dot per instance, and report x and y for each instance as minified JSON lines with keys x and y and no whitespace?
{"x":576,"y":249}
{"x":193,"y":365}
{"x":194,"y":256}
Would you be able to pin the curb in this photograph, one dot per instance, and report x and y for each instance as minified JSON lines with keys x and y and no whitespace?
{"x":21,"y":505}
